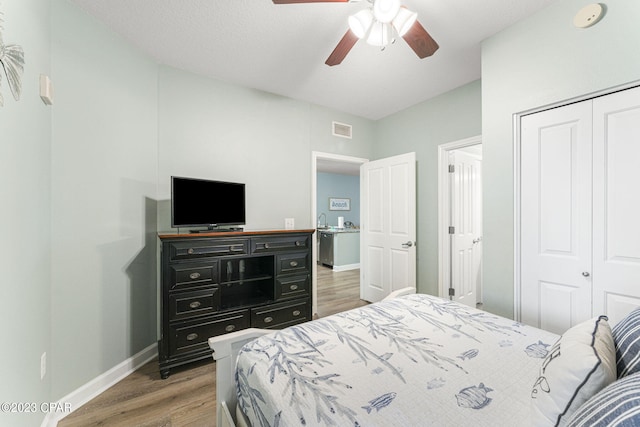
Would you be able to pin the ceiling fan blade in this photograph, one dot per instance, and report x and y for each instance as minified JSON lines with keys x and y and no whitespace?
{"x":344,"y":46}
{"x":308,"y":1}
{"x":420,"y":41}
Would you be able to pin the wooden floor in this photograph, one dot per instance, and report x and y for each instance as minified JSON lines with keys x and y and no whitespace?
{"x":338,"y":291}
{"x":187,"y":397}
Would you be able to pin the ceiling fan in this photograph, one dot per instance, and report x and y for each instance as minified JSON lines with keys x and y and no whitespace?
{"x":377,"y":25}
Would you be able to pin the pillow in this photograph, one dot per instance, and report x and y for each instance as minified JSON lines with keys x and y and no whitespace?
{"x":618,"y":405}
{"x":580,"y":364}
{"x":626,"y":336}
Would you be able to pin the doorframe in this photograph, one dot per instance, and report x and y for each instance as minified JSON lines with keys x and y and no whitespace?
{"x":337,"y":158}
{"x":444,"y":258}
{"x":517,"y":279}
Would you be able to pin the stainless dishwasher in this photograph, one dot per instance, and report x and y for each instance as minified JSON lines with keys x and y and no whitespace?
{"x":326,"y":248}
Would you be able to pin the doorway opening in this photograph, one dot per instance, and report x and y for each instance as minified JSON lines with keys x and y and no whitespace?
{"x":460,"y":221}
{"x":328,"y":164}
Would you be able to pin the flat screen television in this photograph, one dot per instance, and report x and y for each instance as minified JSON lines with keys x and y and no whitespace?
{"x":206,"y":203}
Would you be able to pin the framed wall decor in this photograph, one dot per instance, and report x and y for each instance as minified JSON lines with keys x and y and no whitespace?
{"x":12,"y":62}
{"x":336,"y":204}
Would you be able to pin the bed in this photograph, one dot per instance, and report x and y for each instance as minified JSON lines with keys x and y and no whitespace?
{"x":409,"y":360}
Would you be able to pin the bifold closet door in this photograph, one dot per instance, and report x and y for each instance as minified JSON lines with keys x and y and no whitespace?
{"x":555,"y":215}
{"x":616,"y":204}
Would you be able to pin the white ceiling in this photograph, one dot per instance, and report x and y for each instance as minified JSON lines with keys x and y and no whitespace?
{"x":282,"y":48}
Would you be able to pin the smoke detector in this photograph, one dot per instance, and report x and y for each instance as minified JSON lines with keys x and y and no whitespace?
{"x":588,"y":15}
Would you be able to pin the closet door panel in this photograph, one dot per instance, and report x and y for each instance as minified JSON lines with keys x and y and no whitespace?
{"x":556,"y":217}
{"x":555,"y":232}
{"x":616,"y":203}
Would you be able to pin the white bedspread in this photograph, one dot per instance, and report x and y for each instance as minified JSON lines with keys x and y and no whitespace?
{"x":411,"y":361}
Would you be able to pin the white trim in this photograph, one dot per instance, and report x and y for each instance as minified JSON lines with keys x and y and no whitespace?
{"x":443,"y":207}
{"x":516,"y":219}
{"x":315,"y":156}
{"x":346,"y":267}
{"x":101,"y":383}
{"x":516,"y":177}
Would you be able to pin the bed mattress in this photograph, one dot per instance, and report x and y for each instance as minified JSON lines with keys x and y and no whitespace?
{"x":416,"y":360}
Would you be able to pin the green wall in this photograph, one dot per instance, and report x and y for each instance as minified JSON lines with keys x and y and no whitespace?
{"x":104,"y":178}
{"x":25,"y":165}
{"x":539,"y":61}
{"x":450,"y":117}
{"x":210,"y":129}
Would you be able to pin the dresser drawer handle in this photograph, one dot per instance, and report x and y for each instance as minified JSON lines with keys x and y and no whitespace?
{"x":190,"y":251}
{"x":194,"y":276}
{"x":299,"y":243}
{"x":268,"y":319}
{"x":192,"y":337}
{"x":296,"y":312}
{"x":236,"y":249}
{"x":266,"y":246}
{"x":230,"y":328}
{"x":293,"y":287}
{"x":293,"y":263}
{"x":195,"y":304}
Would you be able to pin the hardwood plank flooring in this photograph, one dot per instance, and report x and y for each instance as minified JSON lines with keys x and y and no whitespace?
{"x":187,"y":398}
{"x":338,"y":291}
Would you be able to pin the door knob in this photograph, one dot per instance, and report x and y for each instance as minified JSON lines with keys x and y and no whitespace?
{"x":407,"y":245}
{"x":586,"y":274}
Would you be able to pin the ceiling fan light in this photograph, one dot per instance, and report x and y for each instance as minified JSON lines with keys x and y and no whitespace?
{"x":379,"y":34}
{"x":386,"y":10}
{"x":361,"y":22}
{"x":404,"y":20}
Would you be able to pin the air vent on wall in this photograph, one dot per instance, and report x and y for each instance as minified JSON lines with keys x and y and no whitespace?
{"x":342,"y":130}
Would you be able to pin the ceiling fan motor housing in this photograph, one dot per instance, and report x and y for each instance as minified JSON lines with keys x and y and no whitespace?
{"x":385,"y":10}
{"x":377,"y":25}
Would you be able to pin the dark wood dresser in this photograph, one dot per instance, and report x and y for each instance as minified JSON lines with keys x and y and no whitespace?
{"x":215,"y":283}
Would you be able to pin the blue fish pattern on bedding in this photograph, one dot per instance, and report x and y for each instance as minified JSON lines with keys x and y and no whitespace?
{"x":373,"y":366}
{"x":380,"y":402}
{"x":538,"y":350}
{"x":474,"y":397}
{"x":469,"y":354}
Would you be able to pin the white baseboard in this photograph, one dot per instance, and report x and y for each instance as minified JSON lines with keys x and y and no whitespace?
{"x":346,"y":267}
{"x":98,"y":385}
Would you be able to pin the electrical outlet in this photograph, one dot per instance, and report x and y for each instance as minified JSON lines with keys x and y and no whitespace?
{"x":43,"y":365}
{"x":289,"y":223}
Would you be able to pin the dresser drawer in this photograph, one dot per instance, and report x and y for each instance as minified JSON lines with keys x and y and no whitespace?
{"x":193,"y":335}
{"x":280,"y":243}
{"x":293,"y":263}
{"x":183,"y":305}
{"x":275,"y":315}
{"x":293,"y":286}
{"x":192,"y":275}
{"x":192,"y":249}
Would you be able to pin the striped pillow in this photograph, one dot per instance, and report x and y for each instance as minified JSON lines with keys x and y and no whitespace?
{"x":617,"y":405}
{"x":626,"y":336}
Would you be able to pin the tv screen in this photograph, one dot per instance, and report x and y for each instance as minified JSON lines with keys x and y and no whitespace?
{"x":201,"y":202}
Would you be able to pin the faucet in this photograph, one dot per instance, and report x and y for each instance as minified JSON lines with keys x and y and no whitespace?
{"x":325,"y":219}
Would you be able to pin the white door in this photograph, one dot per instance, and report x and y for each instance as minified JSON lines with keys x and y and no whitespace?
{"x":555,"y":228}
{"x":388,"y":226}
{"x":465,"y":176}
{"x":616,"y":204}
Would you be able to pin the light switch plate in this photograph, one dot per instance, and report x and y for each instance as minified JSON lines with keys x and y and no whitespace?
{"x":289,"y":223}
